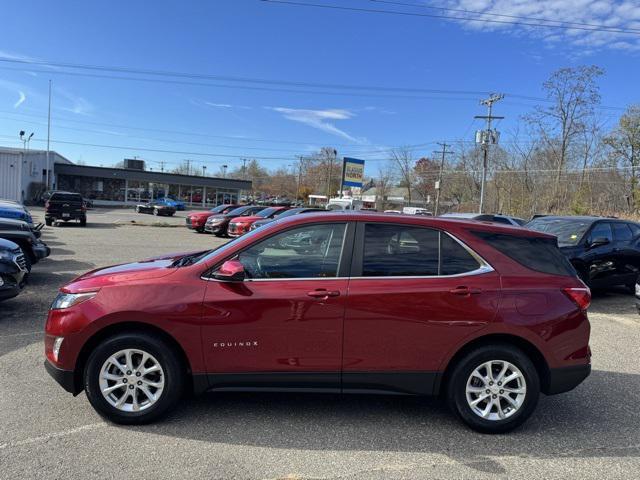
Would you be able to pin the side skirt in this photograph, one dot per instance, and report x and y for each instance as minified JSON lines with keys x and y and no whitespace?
{"x":386,"y":383}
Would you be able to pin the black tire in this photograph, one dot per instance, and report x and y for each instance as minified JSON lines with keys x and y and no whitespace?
{"x":200,"y":229}
{"x":48,"y":221}
{"x":457,"y":383}
{"x":168,"y":359}
{"x":83,"y":222}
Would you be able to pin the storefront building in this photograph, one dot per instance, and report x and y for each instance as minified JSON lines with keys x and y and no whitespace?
{"x":122,"y":186}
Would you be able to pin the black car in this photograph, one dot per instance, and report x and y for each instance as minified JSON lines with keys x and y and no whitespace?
{"x":13,"y":269}
{"x":27,"y":240}
{"x":218,"y":224}
{"x":604,"y":251}
{"x":65,"y":206}
{"x":293,"y":211}
{"x":156,"y":208}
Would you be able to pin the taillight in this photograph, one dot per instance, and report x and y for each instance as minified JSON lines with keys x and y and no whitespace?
{"x":581,"y":296}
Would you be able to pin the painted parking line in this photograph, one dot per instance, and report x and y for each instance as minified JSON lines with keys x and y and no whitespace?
{"x":51,"y":436}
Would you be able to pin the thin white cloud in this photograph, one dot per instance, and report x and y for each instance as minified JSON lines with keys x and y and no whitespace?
{"x":21,"y":99}
{"x":319,"y":119}
{"x":611,"y":14}
{"x":226,"y":105}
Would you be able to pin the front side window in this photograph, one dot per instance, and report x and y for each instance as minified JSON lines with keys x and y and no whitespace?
{"x":401,"y":251}
{"x":601,"y":230}
{"x":312,"y":251}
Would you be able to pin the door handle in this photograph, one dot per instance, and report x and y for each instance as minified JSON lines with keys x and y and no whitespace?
{"x":465,"y":291}
{"x":323,"y":293}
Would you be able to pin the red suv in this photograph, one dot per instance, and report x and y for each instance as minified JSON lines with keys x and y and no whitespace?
{"x":487,"y":315}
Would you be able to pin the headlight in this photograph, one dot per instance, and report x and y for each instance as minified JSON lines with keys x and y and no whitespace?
{"x":66,"y":300}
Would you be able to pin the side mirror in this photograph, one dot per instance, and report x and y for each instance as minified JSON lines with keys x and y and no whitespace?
{"x":598,"y":242}
{"x":230,"y":271}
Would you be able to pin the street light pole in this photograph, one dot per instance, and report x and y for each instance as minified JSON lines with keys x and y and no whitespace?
{"x":48,"y":135}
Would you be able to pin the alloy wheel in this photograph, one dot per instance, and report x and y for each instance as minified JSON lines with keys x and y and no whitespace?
{"x":131,"y":380}
{"x":496,"y":390}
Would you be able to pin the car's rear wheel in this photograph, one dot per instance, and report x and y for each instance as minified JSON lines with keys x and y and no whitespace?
{"x":494,"y":388}
{"x":48,"y":221}
{"x":83,"y":222}
{"x":133,"y":378}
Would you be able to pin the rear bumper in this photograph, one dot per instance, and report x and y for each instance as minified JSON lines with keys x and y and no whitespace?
{"x":567,"y":378}
{"x":65,"y":378}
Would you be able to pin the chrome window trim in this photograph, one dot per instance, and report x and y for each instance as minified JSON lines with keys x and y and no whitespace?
{"x":484,"y":267}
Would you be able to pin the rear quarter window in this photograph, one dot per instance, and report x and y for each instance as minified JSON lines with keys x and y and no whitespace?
{"x":535,"y":253}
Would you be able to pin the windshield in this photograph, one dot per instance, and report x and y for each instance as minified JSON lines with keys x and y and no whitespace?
{"x":568,"y":230}
{"x":219,"y":208}
{"x":238,"y":211}
{"x":268,"y":212}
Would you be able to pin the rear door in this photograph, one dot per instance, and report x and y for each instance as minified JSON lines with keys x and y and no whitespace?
{"x":415,"y":293}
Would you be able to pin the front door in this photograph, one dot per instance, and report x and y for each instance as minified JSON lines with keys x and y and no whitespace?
{"x":414,"y":295}
{"x":600,"y":260}
{"x":282,"y":326}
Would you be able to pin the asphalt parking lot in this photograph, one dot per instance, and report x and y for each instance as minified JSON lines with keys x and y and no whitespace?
{"x":591,"y":432}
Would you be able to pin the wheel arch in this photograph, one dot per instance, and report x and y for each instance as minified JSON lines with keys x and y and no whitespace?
{"x":126,"y":327}
{"x":534,"y":354}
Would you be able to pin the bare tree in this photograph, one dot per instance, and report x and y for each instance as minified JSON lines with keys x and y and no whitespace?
{"x":402,"y":158}
{"x":573,"y":95}
{"x":624,"y":142}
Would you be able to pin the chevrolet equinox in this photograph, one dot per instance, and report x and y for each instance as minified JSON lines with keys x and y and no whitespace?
{"x":485,"y":315}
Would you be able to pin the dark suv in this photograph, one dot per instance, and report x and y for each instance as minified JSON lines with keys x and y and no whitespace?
{"x":65,"y":206}
{"x":604,"y":251}
{"x":487,"y":315}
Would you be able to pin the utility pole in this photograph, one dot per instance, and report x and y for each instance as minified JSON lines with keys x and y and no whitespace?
{"x":188,"y":166}
{"x":204,"y":170}
{"x":300,"y":160}
{"x":439,"y":181}
{"x":244,"y":168}
{"x":48,"y":134}
{"x":224,"y":171}
{"x":335,"y":154}
{"x":487,"y":138}
{"x":162,"y":165}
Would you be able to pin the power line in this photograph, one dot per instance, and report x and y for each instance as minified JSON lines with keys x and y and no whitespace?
{"x":501,"y":15}
{"x":353,"y":90}
{"x":451,"y":17}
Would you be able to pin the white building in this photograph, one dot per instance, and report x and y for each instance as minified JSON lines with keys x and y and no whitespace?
{"x":23,"y":174}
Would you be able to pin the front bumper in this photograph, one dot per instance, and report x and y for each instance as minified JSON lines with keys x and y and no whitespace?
{"x":212,"y":228}
{"x":566,"y":378}
{"x":65,"y":378}
{"x":9,"y":291}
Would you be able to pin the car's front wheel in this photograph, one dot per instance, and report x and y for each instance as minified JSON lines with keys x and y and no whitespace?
{"x":494,"y":388}
{"x":133,"y":378}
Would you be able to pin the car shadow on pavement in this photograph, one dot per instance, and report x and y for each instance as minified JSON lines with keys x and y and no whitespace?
{"x":581,"y":423}
{"x":89,"y":225}
{"x":63,"y":265}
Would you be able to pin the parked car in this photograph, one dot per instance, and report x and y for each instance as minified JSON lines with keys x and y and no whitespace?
{"x":171,"y":202}
{"x":416,"y":211}
{"x":488,"y":217}
{"x":240,"y":225}
{"x":65,"y":206}
{"x":21,"y":225}
{"x":13,"y":269}
{"x":155,"y":208}
{"x":486,"y":314}
{"x":285,"y":214}
{"x":197,"y":220}
{"x":16,"y":211}
{"x":604,"y":251}
{"x":21,"y":234}
{"x":218,"y":224}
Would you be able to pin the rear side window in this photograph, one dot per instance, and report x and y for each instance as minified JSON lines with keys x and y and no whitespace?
{"x":402,"y":251}
{"x":621,"y":232}
{"x":601,"y":230}
{"x":536,"y":253}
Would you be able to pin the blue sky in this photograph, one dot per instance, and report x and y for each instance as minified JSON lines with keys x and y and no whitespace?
{"x":219,"y":122}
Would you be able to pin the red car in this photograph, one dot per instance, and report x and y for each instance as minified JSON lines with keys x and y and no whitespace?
{"x":241,"y":225}
{"x":488,"y":315}
{"x":197,"y":220}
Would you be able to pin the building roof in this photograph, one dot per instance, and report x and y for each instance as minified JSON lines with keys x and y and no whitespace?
{"x":149,"y":176}
{"x":55,"y":156}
